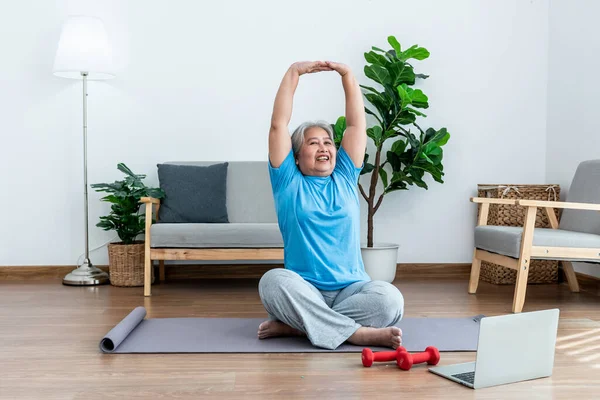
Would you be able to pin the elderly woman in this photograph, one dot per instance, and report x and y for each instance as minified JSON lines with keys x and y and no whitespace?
{"x":323,"y":292}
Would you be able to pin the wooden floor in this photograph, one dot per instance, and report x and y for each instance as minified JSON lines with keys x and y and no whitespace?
{"x":50,"y":333}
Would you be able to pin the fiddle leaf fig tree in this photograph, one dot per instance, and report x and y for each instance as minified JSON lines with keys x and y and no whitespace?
{"x":396,"y":105}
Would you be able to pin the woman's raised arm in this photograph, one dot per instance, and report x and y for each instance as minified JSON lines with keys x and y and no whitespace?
{"x":280,"y":142}
{"x":355,"y":137}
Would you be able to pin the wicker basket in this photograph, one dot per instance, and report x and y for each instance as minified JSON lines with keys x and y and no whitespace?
{"x":126,"y":264}
{"x":540,"y":271}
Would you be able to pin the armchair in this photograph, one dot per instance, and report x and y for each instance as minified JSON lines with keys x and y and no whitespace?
{"x":576,"y":237}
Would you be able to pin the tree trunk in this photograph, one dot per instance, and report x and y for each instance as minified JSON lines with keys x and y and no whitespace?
{"x":371,"y":200}
{"x":370,"y":226}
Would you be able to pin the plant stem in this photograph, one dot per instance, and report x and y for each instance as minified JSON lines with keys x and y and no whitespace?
{"x":378,"y":203}
{"x":371,"y":198}
{"x":362,"y":191}
{"x":422,"y":133}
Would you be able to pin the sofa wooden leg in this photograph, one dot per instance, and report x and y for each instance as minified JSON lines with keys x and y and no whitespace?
{"x":475,"y":268}
{"x":161,"y":269}
{"x":571,"y":277}
{"x":524,"y":260}
{"x":521,"y":286}
{"x":147,"y":274}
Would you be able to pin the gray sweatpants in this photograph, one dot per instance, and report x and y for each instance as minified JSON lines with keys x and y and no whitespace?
{"x":329,"y":318}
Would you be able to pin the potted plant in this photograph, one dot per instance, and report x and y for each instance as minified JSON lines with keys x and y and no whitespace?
{"x":126,"y":258}
{"x":414,"y":152}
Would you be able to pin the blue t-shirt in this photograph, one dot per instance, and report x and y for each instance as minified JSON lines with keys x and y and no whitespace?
{"x":319,"y":220}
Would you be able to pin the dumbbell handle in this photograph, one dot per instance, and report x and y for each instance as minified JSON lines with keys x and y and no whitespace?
{"x":387,"y":355}
{"x":421,"y":357}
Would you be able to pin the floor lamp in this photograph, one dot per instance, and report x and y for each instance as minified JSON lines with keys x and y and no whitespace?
{"x":84,"y":53}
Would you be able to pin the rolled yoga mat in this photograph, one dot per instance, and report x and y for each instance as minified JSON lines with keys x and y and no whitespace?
{"x":135,"y":334}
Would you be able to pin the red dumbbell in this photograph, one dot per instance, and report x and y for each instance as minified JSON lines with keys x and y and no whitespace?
{"x":368,"y":357}
{"x":431,"y":355}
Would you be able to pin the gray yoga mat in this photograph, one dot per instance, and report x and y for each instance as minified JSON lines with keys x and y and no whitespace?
{"x":135,"y":334}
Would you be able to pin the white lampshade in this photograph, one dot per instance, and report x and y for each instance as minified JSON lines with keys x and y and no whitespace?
{"x":83,"y":47}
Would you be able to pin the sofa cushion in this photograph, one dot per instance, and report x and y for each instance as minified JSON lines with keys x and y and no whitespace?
{"x":252,"y":235}
{"x":585,"y":188}
{"x":246,"y":180}
{"x":193,"y":194}
{"x":506,"y":240}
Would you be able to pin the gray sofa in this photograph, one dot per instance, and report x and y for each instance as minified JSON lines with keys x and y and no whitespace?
{"x":212,"y":211}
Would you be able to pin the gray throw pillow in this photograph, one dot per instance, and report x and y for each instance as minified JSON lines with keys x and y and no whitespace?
{"x":193,"y":194}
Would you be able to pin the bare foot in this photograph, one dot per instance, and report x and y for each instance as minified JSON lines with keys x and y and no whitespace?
{"x":276,"y":328}
{"x":385,"y":337}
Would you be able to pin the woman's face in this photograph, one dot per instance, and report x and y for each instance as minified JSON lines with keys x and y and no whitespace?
{"x":317,"y":154}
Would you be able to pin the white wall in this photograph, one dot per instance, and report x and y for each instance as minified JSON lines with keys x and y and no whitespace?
{"x":573,"y":88}
{"x":196,"y":81}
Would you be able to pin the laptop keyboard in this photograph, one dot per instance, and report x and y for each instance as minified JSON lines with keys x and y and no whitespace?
{"x":466,"y":376}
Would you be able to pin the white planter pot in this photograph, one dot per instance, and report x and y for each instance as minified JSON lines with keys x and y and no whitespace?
{"x":380,"y":261}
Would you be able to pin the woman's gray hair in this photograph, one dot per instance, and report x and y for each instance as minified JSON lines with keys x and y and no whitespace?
{"x":298,"y":135}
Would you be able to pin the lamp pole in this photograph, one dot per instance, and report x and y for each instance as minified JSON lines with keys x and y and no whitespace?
{"x":87,"y":274}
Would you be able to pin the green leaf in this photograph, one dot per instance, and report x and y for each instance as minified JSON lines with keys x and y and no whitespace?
{"x":444,"y":139}
{"x":394,"y":187}
{"x":391,"y":55}
{"x":106,"y":225}
{"x":394,"y":160}
{"x":384,"y":177}
{"x":378,"y":74}
{"x":416,"y":175}
{"x":440,"y":137}
{"x":156,"y":193}
{"x":409,"y":96}
{"x":375,"y":58}
{"x":436,"y":159}
{"x":367,"y":168}
{"x":338,"y":129}
{"x":419,"y":113}
{"x":421,"y":76}
{"x":373,"y":114}
{"x":401,"y":72}
{"x":394,"y":43}
{"x":419,"y":99}
{"x":108,"y":187}
{"x":432,"y":148}
{"x":398,"y":182}
{"x":398,"y":147}
{"x":378,"y":49}
{"x":375,"y":91}
{"x":404,"y":95}
{"x":389,"y":134}
{"x":429,"y":134}
{"x":416,"y":52}
{"x":405,"y":118}
{"x":123,"y":168}
{"x":375,"y":134}
{"x":111,"y":199}
{"x":429,"y":167}
{"x":381,"y":102}
{"x":414,"y":142}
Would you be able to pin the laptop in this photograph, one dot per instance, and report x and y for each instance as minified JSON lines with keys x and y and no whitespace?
{"x":511,"y":348}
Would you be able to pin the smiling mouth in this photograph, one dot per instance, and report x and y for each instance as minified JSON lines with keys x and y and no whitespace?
{"x":323,"y":158}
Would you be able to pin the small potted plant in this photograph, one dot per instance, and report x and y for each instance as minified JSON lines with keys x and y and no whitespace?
{"x":414,"y":152}
{"x":126,"y":258}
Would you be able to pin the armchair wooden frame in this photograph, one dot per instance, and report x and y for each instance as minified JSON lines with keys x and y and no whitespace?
{"x":527,"y":250}
{"x":198,"y":254}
